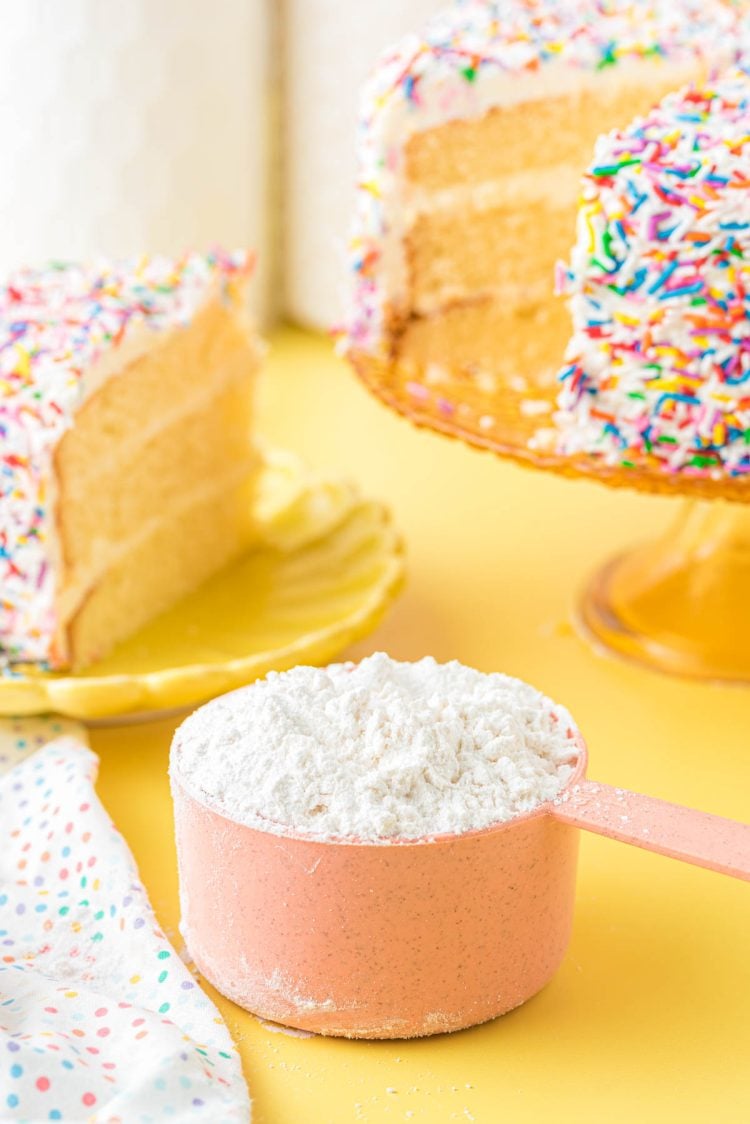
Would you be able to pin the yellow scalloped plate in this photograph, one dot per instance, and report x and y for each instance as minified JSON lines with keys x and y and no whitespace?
{"x":327,"y":566}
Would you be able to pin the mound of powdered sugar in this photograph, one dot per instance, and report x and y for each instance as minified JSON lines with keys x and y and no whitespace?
{"x":378,"y":750}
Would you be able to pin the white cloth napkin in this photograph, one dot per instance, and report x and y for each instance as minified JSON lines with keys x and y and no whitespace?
{"x":100,"y":1021}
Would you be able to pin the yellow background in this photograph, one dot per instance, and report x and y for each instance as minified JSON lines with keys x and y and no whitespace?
{"x":649,"y":1017}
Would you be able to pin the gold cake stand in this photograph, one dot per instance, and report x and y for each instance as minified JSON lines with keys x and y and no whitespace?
{"x":680,"y":604}
{"x":326,"y":566}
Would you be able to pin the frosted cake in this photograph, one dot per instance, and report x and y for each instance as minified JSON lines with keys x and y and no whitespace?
{"x":127,"y":461}
{"x":657,"y":372}
{"x":473,"y":140}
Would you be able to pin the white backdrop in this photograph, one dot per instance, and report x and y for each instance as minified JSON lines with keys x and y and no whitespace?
{"x":330,"y":45}
{"x":132,"y":125}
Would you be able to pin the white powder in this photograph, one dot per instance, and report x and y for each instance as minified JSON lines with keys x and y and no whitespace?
{"x":376,"y":751}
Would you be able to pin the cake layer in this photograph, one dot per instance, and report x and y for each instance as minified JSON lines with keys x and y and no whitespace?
{"x":152,"y":433}
{"x":147,"y":442}
{"x":484,"y":346}
{"x":137,"y":485}
{"x":550,"y":128}
{"x":511,"y":250}
{"x":187,"y":546}
{"x":178,"y":365}
{"x":463,"y":250}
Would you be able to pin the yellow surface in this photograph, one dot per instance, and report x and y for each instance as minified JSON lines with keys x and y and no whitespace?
{"x":679,"y":602}
{"x":649,"y":1017}
{"x":327,"y":564}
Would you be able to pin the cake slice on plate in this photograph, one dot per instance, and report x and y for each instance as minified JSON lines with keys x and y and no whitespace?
{"x":657,"y":373}
{"x":127,"y":460}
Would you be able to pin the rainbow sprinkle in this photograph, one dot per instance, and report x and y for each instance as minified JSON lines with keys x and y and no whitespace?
{"x":56,"y":324}
{"x":658,"y":370}
{"x":464,"y":63}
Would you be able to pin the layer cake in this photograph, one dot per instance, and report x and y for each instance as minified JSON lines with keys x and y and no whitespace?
{"x":473,"y":140}
{"x":127,"y":460}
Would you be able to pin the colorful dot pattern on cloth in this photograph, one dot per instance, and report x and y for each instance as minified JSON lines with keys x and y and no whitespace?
{"x":100,"y":1020}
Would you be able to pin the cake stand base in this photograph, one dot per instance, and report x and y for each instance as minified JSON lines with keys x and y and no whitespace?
{"x":680,"y":604}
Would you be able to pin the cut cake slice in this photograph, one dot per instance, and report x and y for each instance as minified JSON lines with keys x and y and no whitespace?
{"x":127,"y":460}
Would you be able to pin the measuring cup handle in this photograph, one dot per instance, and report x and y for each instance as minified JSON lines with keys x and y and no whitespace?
{"x":682,"y":833}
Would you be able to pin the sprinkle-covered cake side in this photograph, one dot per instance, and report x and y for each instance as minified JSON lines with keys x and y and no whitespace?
{"x":60,"y":329}
{"x":486,"y":53}
{"x":658,"y":369}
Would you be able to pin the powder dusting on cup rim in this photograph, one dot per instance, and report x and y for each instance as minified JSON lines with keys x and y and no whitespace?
{"x":379,"y":751}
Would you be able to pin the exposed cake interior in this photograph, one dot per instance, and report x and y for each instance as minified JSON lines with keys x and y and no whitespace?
{"x":156,"y":481}
{"x":494,"y":203}
{"x":128,"y":459}
{"x":474,"y":137}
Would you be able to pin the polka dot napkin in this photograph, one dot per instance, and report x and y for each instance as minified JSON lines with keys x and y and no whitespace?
{"x":100,"y":1021}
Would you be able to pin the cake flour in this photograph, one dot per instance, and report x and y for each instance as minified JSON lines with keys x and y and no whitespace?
{"x":376,"y":751}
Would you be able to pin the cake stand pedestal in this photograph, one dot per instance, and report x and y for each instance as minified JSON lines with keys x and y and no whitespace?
{"x":679,"y":604}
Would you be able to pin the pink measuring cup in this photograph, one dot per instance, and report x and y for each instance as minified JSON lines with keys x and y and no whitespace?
{"x":409,"y":938}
